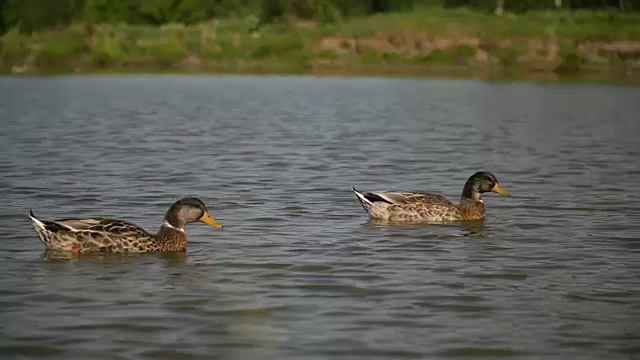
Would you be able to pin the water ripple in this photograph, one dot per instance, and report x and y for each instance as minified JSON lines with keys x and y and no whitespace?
{"x":298,"y":272}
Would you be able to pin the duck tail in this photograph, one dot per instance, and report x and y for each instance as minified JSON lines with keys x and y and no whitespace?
{"x":39,"y":225}
{"x":362,"y":198}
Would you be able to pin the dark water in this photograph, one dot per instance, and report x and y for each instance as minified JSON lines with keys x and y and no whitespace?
{"x":299,"y":272}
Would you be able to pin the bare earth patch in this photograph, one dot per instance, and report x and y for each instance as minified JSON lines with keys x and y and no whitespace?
{"x":533,"y":50}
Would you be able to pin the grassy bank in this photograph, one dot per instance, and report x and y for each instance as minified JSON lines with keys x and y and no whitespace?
{"x":425,"y":42}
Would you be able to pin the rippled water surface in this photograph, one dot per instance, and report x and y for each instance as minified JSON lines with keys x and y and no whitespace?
{"x":299,"y":272}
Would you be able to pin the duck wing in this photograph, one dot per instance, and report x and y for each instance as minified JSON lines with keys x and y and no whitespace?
{"x":86,"y":235}
{"x":407,"y":197}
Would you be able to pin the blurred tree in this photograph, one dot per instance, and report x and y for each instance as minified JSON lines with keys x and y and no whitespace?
{"x":192,"y":11}
{"x":157,"y":12}
{"x":3,"y":25}
{"x":323,"y":10}
{"x":30,"y":15}
{"x":499,"y":7}
{"x":111,"y":11}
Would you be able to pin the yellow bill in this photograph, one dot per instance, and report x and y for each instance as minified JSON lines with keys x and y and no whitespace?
{"x":207,"y":219}
{"x":499,"y":190}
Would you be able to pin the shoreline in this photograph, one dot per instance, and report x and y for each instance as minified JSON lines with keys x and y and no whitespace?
{"x":551,"y":46}
{"x":445,"y":72}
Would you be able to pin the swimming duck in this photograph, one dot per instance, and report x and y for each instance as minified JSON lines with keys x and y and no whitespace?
{"x":98,"y":235}
{"x":420,"y":206}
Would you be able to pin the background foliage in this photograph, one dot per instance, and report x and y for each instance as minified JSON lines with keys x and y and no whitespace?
{"x":33,"y":15}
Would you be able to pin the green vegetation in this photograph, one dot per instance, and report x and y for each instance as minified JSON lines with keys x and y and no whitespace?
{"x":33,"y":15}
{"x":318,"y":35}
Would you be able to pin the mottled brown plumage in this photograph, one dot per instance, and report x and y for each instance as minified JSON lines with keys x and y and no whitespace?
{"x":427,"y":207}
{"x":98,"y":235}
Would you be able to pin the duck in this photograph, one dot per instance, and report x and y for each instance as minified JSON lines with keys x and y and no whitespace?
{"x":428,"y":207}
{"x":101,"y":235}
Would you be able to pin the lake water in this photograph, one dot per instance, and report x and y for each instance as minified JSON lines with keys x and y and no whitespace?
{"x":299,"y":272}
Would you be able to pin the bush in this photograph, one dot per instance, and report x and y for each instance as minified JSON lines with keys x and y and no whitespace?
{"x":108,"y":49}
{"x":508,"y":56}
{"x":462,"y":53}
{"x":436,"y":56}
{"x":276,"y":46}
{"x":327,"y":55}
{"x":60,"y":49}
{"x":165,"y":51}
{"x":570,"y":60}
{"x":14,"y":47}
{"x":370,"y":56}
